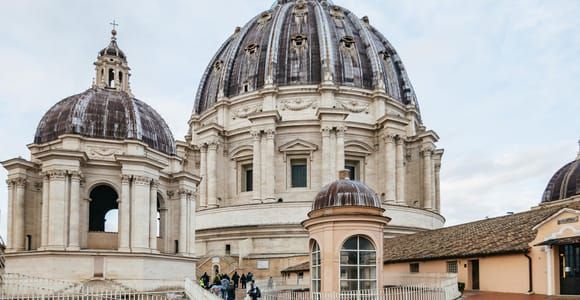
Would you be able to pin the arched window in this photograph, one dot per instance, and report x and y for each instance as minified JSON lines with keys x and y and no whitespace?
{"x":103,"y":209}
{"x":358,"y":265}
{"x":315,"y":265}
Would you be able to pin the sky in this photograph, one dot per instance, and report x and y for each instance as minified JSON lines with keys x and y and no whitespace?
{"x":497,"y":80}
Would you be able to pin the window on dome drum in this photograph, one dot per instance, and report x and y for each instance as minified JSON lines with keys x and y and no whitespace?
{"x":358,"y":264}
{"x":247,"y":178}
{"x":353,"y":167}
{"x":111,"y":82}
{"x":452,"y":266}
{"x":103,"y":209}
{"x":414,"y":267}
{"x":299,"y":168}
{"x":316,"y":269}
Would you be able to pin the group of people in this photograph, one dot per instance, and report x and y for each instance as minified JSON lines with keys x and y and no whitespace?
{"x":224,"y":286}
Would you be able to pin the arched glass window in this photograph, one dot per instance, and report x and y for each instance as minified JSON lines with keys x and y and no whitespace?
{"x":358,"y":265}
{"x":316,"y":276}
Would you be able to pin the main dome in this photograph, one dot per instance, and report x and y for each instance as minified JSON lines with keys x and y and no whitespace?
{"x":106,"y":114}
{"x":304,"y":42}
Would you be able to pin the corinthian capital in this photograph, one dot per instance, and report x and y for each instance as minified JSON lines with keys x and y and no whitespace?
{"x":213,"y":144}
{"x":401,"y":140}
{"x":57,"y":174}
{"x":125,"y":179}
{"x":341,"y":130}
{"x":270,"y":133}
{"x":325,"y":130}
{"x":9,"y":183}
{"x":186,"y":192}
{"x":141,"y":180}
{"x":256,"y":134}
{"x":389,"y":138}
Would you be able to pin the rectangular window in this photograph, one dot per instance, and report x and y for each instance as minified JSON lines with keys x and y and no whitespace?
{"x":353,"y":168}
{"x":414,"y":267}
{"x":247,"y":178}
{"x":299,"y":168}
{"x":228,"y":249}
{"x":452,"y":266}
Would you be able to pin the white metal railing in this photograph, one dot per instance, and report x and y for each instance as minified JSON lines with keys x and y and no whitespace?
{"x":89,"y":294}
{"x":391,"y":293}
{"x":195,"y":292}
{"x":281,"y":283}
{"x":445,"y":281}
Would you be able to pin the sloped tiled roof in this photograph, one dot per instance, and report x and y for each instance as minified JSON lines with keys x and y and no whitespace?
{"x":494,"y":236}
{"x":305,"y":266}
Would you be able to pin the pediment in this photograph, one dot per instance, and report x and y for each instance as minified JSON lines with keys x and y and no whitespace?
{"x":298,"y":145}
{"x":358,"y":148}
{"x":242,"y":152}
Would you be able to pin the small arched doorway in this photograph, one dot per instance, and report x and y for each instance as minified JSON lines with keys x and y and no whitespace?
{"x":103,"y":218}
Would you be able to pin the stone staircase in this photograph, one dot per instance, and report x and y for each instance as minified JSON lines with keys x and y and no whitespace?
{"x":228,"y":265}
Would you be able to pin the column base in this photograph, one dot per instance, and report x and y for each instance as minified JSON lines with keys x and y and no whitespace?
{"x":73,"y":248}
{"x":140,"y":250}
{"x":54,"y":248}
{"x":124,"y":249}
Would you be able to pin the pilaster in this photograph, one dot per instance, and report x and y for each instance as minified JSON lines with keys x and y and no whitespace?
{"x":153,"y":215}
{"x":125,"y":214}
{"x":74,"y":212}
{"x":400,"y":170}
{"x":212,"y":167}
{"x":140,"y":214}
{"x":256,"y":165}
{"x":391,"y":168}
{"x":269,"y":163}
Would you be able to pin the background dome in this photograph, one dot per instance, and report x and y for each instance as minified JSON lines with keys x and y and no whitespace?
{"x":304,"y":42}
{"x":565,"y":183}
{"x":344,"y":192}
{"x":106,"y":114}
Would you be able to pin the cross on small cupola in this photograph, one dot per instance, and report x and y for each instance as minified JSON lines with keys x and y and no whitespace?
{"x":112,"y":70}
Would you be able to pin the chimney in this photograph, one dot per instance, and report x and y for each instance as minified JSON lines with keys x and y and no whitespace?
{"x":344,"y":174}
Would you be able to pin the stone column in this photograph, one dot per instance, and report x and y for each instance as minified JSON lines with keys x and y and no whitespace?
{"x":256,"y":165}
{"x":153,"y":216}
{"x":212,"y":174}
{"x":19,"y":229}
{"x":45,"y":205}
{"x":340,"y":131}
{"x":391,"y":168}
{"x":203,"y":175}
{"x":75,"y":207}
{"x":191,"y":224}
{"x":437,"y":187}
{"x":125,"y":214}
{"x":270,"y":165}
{"x":400,"y":170}
{"x":427,"y":178}
{"x":57,"y":210}
{"x":326,"y":167}
{"x":10,"y":215}
{"x":183,"y":194}
{"x":140,"y":214}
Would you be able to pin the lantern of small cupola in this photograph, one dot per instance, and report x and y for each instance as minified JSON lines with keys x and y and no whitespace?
{"x":346,"y":232}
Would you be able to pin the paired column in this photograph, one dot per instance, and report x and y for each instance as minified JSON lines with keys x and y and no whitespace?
{"x":400,"y":170}
{"x":74,"y":212}
{"x":340,"y":131}
{"x":10,"y":216}
{"x":269,"y":173}
{"x":427,"y":178}
{"x":140,"y":214}
{"x":203,"y":175}
{"x":256,"y":165}
{"x":19,"y":241}
{"x":211,"y":175}
{"x":390,"y":161}
{"x":125,"y":214}
{"x":326,"y":149}
{"x":191,"y":223}
{"x":437,"y":187}
{"x":183,"y":222}
{"x":58,"y":206}
{"x":153,"y":215}
{"x":45,"y":216}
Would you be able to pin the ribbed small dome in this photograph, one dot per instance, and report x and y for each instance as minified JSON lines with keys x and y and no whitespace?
{"x":113,"y":49}
{"x":565,"y":183}
{"x":344,"y":192}
{"x":106,"y":114}
{"x":304,"y":42}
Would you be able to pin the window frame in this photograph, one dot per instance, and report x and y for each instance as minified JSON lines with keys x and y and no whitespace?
{"x":305,"y":158}
{"x":373,"y":277}
{"x":244,"y":167}
{"x":452,"y":263}
{"x":412,"y":269}
{"x":315,"y":263}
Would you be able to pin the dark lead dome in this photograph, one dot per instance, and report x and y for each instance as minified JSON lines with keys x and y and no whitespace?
{"x":113,"y":49}
{"x":344,"y":192}
{"x":304,"y":42}
{"x":106,"y":114}
{"x":565,"y":183}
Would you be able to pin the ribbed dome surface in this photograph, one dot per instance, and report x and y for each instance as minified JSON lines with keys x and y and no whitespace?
{"x":346,"y":192}
{"x":106,"y":114}
{"x":304,"y":42}
{"x":113,"y":49}
{"x":565,"y":183}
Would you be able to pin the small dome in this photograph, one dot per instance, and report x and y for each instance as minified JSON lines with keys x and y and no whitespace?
{"x":565,"y":183}
{"x":106,"y":114}
{"x":304,"y":42}
{"x":113,"y":49}
{"x":345,"y":192}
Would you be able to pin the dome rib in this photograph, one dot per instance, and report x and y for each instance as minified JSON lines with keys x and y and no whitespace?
{"x":564,"y":184}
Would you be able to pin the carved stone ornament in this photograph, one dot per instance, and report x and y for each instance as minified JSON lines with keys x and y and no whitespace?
{"x":353,"y":106}
{"x":297,"y":104}
{"x":142,"y":180}
{"x":103,"y":153}
{"x":245,"y":111}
